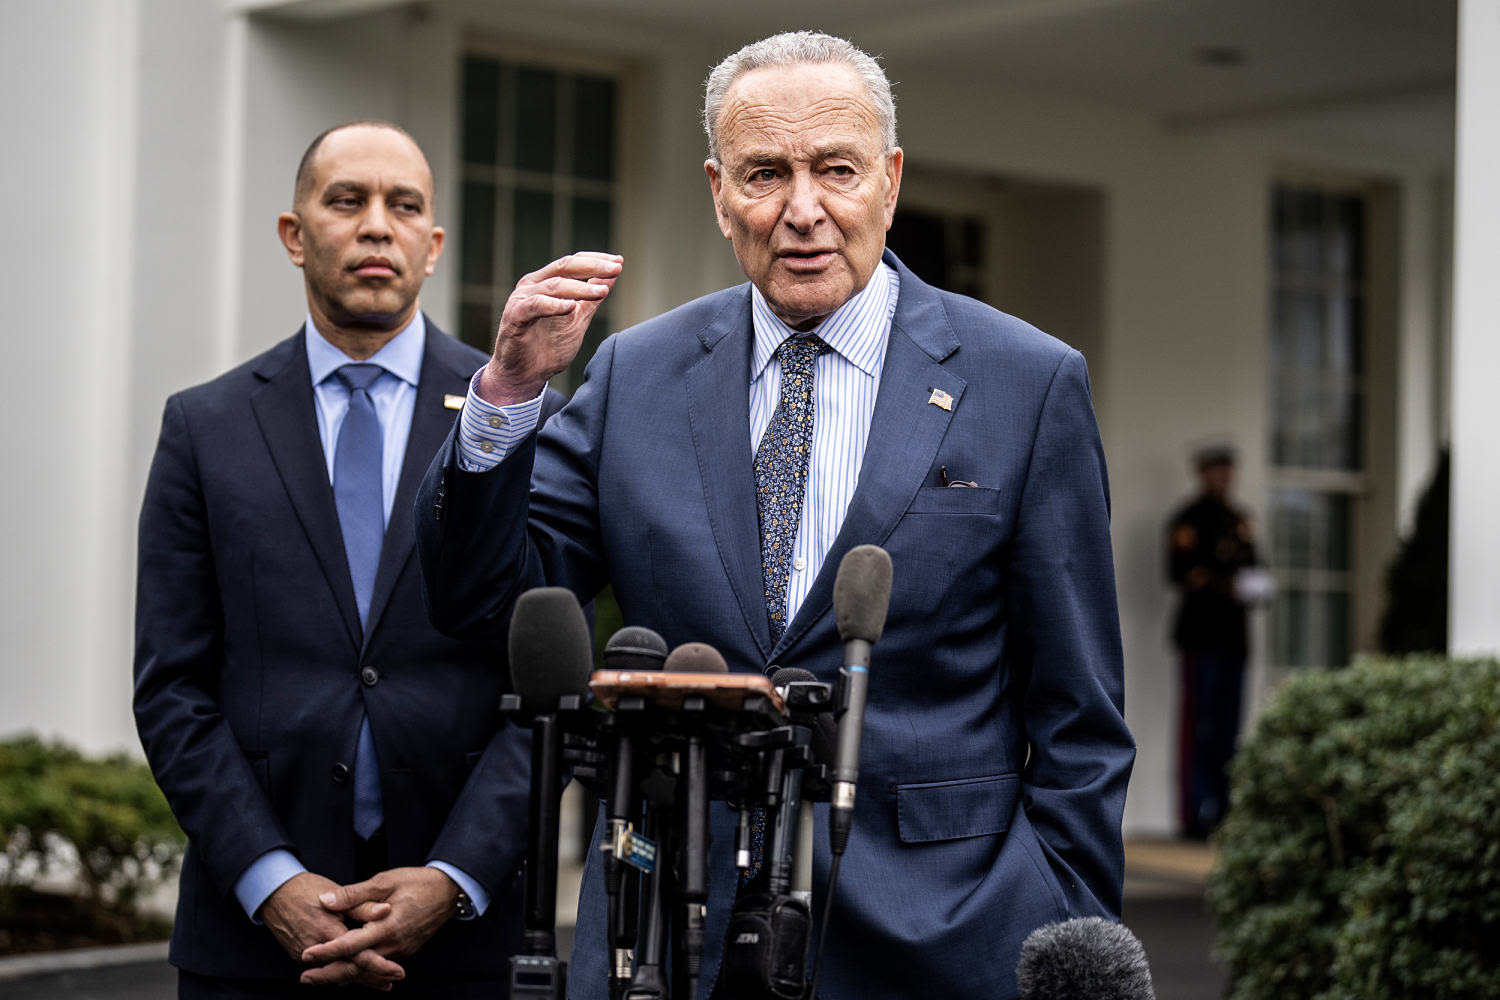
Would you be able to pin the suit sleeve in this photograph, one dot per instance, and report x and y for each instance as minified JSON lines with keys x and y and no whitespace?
{"x":485,"y":537}
{"x":1066,"y":632}
{"x":179,"y":654}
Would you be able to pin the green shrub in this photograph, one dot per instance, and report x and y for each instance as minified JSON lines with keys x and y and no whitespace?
{"x":1360,"y":858}
{"x":106,"y":814}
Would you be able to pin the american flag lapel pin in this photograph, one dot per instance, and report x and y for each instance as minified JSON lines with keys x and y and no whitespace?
{"x":941,"y":400}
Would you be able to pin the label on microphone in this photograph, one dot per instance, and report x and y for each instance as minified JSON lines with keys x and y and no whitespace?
{"x":633,"y":849}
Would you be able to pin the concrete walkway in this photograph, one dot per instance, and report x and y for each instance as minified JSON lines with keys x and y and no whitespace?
{"x":1163,"y":907}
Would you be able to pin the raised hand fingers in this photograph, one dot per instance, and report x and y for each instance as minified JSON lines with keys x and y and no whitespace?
{"x":568,"y":276}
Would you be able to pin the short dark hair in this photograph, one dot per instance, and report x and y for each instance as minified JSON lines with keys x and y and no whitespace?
{"x":303,"y":186}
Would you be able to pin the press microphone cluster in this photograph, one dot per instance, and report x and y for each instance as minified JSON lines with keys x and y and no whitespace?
{"x":665,"y":732}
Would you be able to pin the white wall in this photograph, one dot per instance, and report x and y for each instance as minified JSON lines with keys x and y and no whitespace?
{"x":1474,"y":586}
{"x":67,"y":379}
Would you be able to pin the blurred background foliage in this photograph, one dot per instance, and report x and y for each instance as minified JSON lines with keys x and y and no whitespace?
{"x":1361,"y":855}
{"x":95,"y":831}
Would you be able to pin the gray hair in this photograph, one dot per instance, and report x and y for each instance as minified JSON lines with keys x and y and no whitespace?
{"x":797,"y":48}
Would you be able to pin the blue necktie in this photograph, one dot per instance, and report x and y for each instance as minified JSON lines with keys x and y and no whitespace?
{"x":357,"y":492}
{"x":781,"y":464}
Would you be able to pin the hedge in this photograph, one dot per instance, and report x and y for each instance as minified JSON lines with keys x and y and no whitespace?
{"x":1360,"y":857}
{"x":106,"y":814}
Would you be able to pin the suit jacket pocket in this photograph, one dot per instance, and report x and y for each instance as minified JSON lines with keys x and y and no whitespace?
{"x":950,"y":810}
{"x":956,"y":500}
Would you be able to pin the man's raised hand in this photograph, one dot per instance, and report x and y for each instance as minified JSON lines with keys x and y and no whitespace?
{"x":544,"y":322}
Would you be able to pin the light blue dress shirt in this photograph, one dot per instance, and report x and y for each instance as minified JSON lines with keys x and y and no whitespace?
{"x":395,"y":397}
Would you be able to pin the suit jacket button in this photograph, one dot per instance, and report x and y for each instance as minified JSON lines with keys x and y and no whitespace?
{"x":341,"y":773}
{"x":370,"y":676}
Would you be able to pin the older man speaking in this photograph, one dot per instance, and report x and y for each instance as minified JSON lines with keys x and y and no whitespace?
{"x":717,"y":463}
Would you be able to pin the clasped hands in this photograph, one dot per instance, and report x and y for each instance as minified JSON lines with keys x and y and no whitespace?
{"x":395,"y":912}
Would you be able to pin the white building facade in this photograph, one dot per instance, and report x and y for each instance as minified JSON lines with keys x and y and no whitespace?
{"x":1241,"y":212}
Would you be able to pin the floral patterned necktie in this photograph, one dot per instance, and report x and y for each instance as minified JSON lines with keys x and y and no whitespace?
{"x":781,"y":464}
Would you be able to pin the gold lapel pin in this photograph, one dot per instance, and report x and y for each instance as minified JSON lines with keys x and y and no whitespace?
{"x":452,"y":402}
{"x":941,"y":400}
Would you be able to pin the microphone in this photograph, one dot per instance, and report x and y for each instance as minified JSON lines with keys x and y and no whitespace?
{"x":634,"y":648}
{"x":1086,"y":958}
{"x":695,"y":658}
{"x":823,"y":746}
{"x":631,"y":648}
{"x":861,"y":597}
{"x":551,"y":656}
{"x":551,"y":650}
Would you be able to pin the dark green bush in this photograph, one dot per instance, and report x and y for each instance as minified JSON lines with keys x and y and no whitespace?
{"x":1361,"y":855}
{"x":105,"y":814}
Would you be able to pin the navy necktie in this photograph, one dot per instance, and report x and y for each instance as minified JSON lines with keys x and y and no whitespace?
{"x":781,"y":464}
{"x":357,"y":492}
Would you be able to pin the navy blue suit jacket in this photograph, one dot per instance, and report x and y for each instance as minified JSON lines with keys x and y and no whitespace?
{"x":995,"y":753}
{"x":252,"y":672}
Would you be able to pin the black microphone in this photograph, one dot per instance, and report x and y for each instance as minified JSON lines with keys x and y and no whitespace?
{"x":551,"y":656}
{"x":861,"y":597}
{"x":1086,"y":958}
{"x":823,"y":747}
{"x":633,"y":647}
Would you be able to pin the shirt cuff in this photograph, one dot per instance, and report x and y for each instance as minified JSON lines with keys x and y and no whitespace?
{"x":486,"y":432}
{"x":265,"y":875}
{"x":471,"y":888}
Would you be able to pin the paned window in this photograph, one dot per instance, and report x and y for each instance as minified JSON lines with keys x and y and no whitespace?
{"x":1318,"y":403}
{"x":539,"y":180}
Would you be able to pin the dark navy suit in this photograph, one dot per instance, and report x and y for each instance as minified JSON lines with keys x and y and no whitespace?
{"x":995,"y":753}
{"x":252,"y":673}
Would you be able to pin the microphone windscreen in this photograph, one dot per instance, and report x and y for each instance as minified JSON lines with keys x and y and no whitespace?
{"x":635,"y":647}
{"x":551,"y":651}
{"x":862,"y":593}
{"x":695,"y":658}
{"x":1086,"y":957}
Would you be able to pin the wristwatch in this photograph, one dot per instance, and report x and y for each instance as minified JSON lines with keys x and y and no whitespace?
{"x":463,"y":907}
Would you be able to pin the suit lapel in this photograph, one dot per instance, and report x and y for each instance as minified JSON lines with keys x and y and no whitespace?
{"x":905,"y":432}
{"x":719,"y":420}
{"x":287,"y":416}
{"x":442,"y":373}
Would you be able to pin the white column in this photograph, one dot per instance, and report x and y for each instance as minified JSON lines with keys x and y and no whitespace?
{"x":1474,"y":570}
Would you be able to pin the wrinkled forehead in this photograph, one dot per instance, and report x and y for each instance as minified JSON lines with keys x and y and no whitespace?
{"x":798,"y":110}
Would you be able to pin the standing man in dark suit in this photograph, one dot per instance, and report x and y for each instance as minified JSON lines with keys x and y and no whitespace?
{"x":719,"y":461}
{"x":329,"y":754}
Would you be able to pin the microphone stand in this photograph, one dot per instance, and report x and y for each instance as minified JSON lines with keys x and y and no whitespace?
{"x":650,"y":979}
{"x":694,"y":887}
{"x":538,"y":972}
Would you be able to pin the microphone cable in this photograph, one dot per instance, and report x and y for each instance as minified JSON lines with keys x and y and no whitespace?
{"x":833,"y":879}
